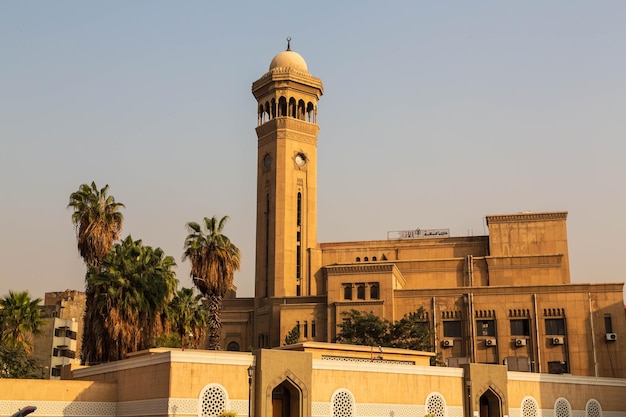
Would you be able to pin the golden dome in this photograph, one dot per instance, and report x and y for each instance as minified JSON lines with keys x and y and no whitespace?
{"x":289,"y":59}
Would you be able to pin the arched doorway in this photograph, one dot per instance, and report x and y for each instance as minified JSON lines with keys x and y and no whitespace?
{"x":490,"y":404}
{"x":286,"y":400}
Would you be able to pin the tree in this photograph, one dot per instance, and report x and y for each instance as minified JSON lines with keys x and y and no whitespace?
{"x":293,"y":336}
{"x":132,"y":290}
{"x":187,"y":315}
{"x":20,"y":319}
{"x":367,"y":329}
{"x":15,"y":362}
{"x":98,"y":223}
{"x":214,"y":260}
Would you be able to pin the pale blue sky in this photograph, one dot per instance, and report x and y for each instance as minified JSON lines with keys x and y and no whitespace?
{"x":435,"y":114}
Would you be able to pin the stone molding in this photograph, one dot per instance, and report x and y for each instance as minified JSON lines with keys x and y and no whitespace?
{"x":526,"y":217}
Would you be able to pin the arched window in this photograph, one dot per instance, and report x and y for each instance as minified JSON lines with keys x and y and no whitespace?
{"x":213,"y":400}
{"x":310,"y":112}
{"x":292,"y":107}
{"x":360,"y":292}
{"x":301,"y":110}
{"x":343,"y":403}
{"x":358,"y":259}
{"x":347,"y":292}
{"x":436,"y":405}
{"x":374,"y":292}
{"x":593,"y":409}
{"x":529,"y":407}
{"x":562,"y":408}
{"x":233,"y":347}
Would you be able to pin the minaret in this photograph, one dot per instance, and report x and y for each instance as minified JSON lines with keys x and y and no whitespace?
{"x":287,"y":97}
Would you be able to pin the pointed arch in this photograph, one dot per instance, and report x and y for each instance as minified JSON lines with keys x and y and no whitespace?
{"x":288,"y":392}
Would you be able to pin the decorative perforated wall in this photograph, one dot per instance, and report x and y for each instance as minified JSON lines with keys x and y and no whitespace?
{"x":593,"y":409}
{"x":436,"y":404}
{"x":214,"y":400}
{"x":530,"y":408}
{"x":562,"y":408}
{"x":343,"y":403}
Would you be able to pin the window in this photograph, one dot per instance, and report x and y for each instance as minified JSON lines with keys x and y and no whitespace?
{"x":347,"y":292}
{"x":366,"y":259}
{"x":530,"y":407}
{"x":557,"y":367}
{"x":214,"y":400}
{"x":608,"y":325}
{"x":56,"y":371}
{"x":555,"y":327}
{"x":562,"y":408}
{"x":306,"y":329}
{"x":452,"y":328}
{"x":436,"y":405}
{"x":358,"y":259}
{"x":343,"y":403}
{"x":486,"y":327}
{"x":313,"y":328}
{"x":373,"y":258}
{"x":233,"y":347}
{"x":374,"y":292}
{"x":520,"y":327}
{"x":360,"y":292}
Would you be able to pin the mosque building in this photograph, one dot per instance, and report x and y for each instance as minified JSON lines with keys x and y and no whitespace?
{"x":518,"y":338}
{"x":505,"y":298}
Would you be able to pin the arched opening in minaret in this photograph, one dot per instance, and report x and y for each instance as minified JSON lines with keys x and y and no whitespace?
{"x":301,"y":110}
{"x":282,"y":107}
{"x":260,"y":114}
{"x":310,"y":112}
{"x":273,"y":108}
{"x":267,"y":117}
{"x":292,"y":108}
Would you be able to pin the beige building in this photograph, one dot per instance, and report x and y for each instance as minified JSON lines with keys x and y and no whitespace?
{"x":61,"y":333}
{"x":505,"y":314}
{"x":505,"y":298}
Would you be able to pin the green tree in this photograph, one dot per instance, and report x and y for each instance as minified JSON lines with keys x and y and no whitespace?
{"x":15,"y":362}
{"x":98,"y":223}
{"x":361,"y":328}
{"x":214,"y":260}
{"x":20,"y":319}
{"x":133,"y":288}
{"x":293,"y":336}
{"x":187,"y":315}
{"x":412,"y":332}
{"x":367,"y":329}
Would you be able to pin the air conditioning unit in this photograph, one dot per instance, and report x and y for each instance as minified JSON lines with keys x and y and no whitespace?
{"x":520,"y":342}
{"x":611,"y":337}
{"x":558,"y":340}
{"x":447,"y":343}
{"x":490,"y":342}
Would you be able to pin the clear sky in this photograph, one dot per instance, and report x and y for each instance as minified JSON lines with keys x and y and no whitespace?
{"x":435,"y":114}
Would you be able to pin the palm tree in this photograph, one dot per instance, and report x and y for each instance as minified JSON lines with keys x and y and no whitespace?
{"x":98,"y":223}
{"x":187,"y":316}
{"x":19,"y":319}
{"x":214,"y":260}
{"x":134,"y":286}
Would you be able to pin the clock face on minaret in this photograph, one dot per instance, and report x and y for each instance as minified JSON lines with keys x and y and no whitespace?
{"x":286,"y":228}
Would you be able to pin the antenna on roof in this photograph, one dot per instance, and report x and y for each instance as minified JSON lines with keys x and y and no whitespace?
{"x":288,"y":43}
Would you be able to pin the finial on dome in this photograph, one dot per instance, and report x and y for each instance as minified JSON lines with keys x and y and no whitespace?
{"x":288,"y":43}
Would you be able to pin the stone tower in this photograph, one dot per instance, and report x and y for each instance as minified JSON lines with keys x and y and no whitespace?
{"x":286,"y":226}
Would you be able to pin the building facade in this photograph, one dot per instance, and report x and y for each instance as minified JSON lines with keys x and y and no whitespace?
{"x":60,"y":340}
{"x":505,"y":298}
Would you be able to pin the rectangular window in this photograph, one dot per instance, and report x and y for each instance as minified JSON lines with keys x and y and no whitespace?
{"x":486,"y":327}
{"x":56,"y":371}
{"x":608,"y":324}
{"x":347,"y":292}
{"x":555,"y":327}
{"x":306,"y":329}
{"x":520,"y":327}
{"x":452,"y":328}
{"x":557,"y":367}
{"x":313,"y":329}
